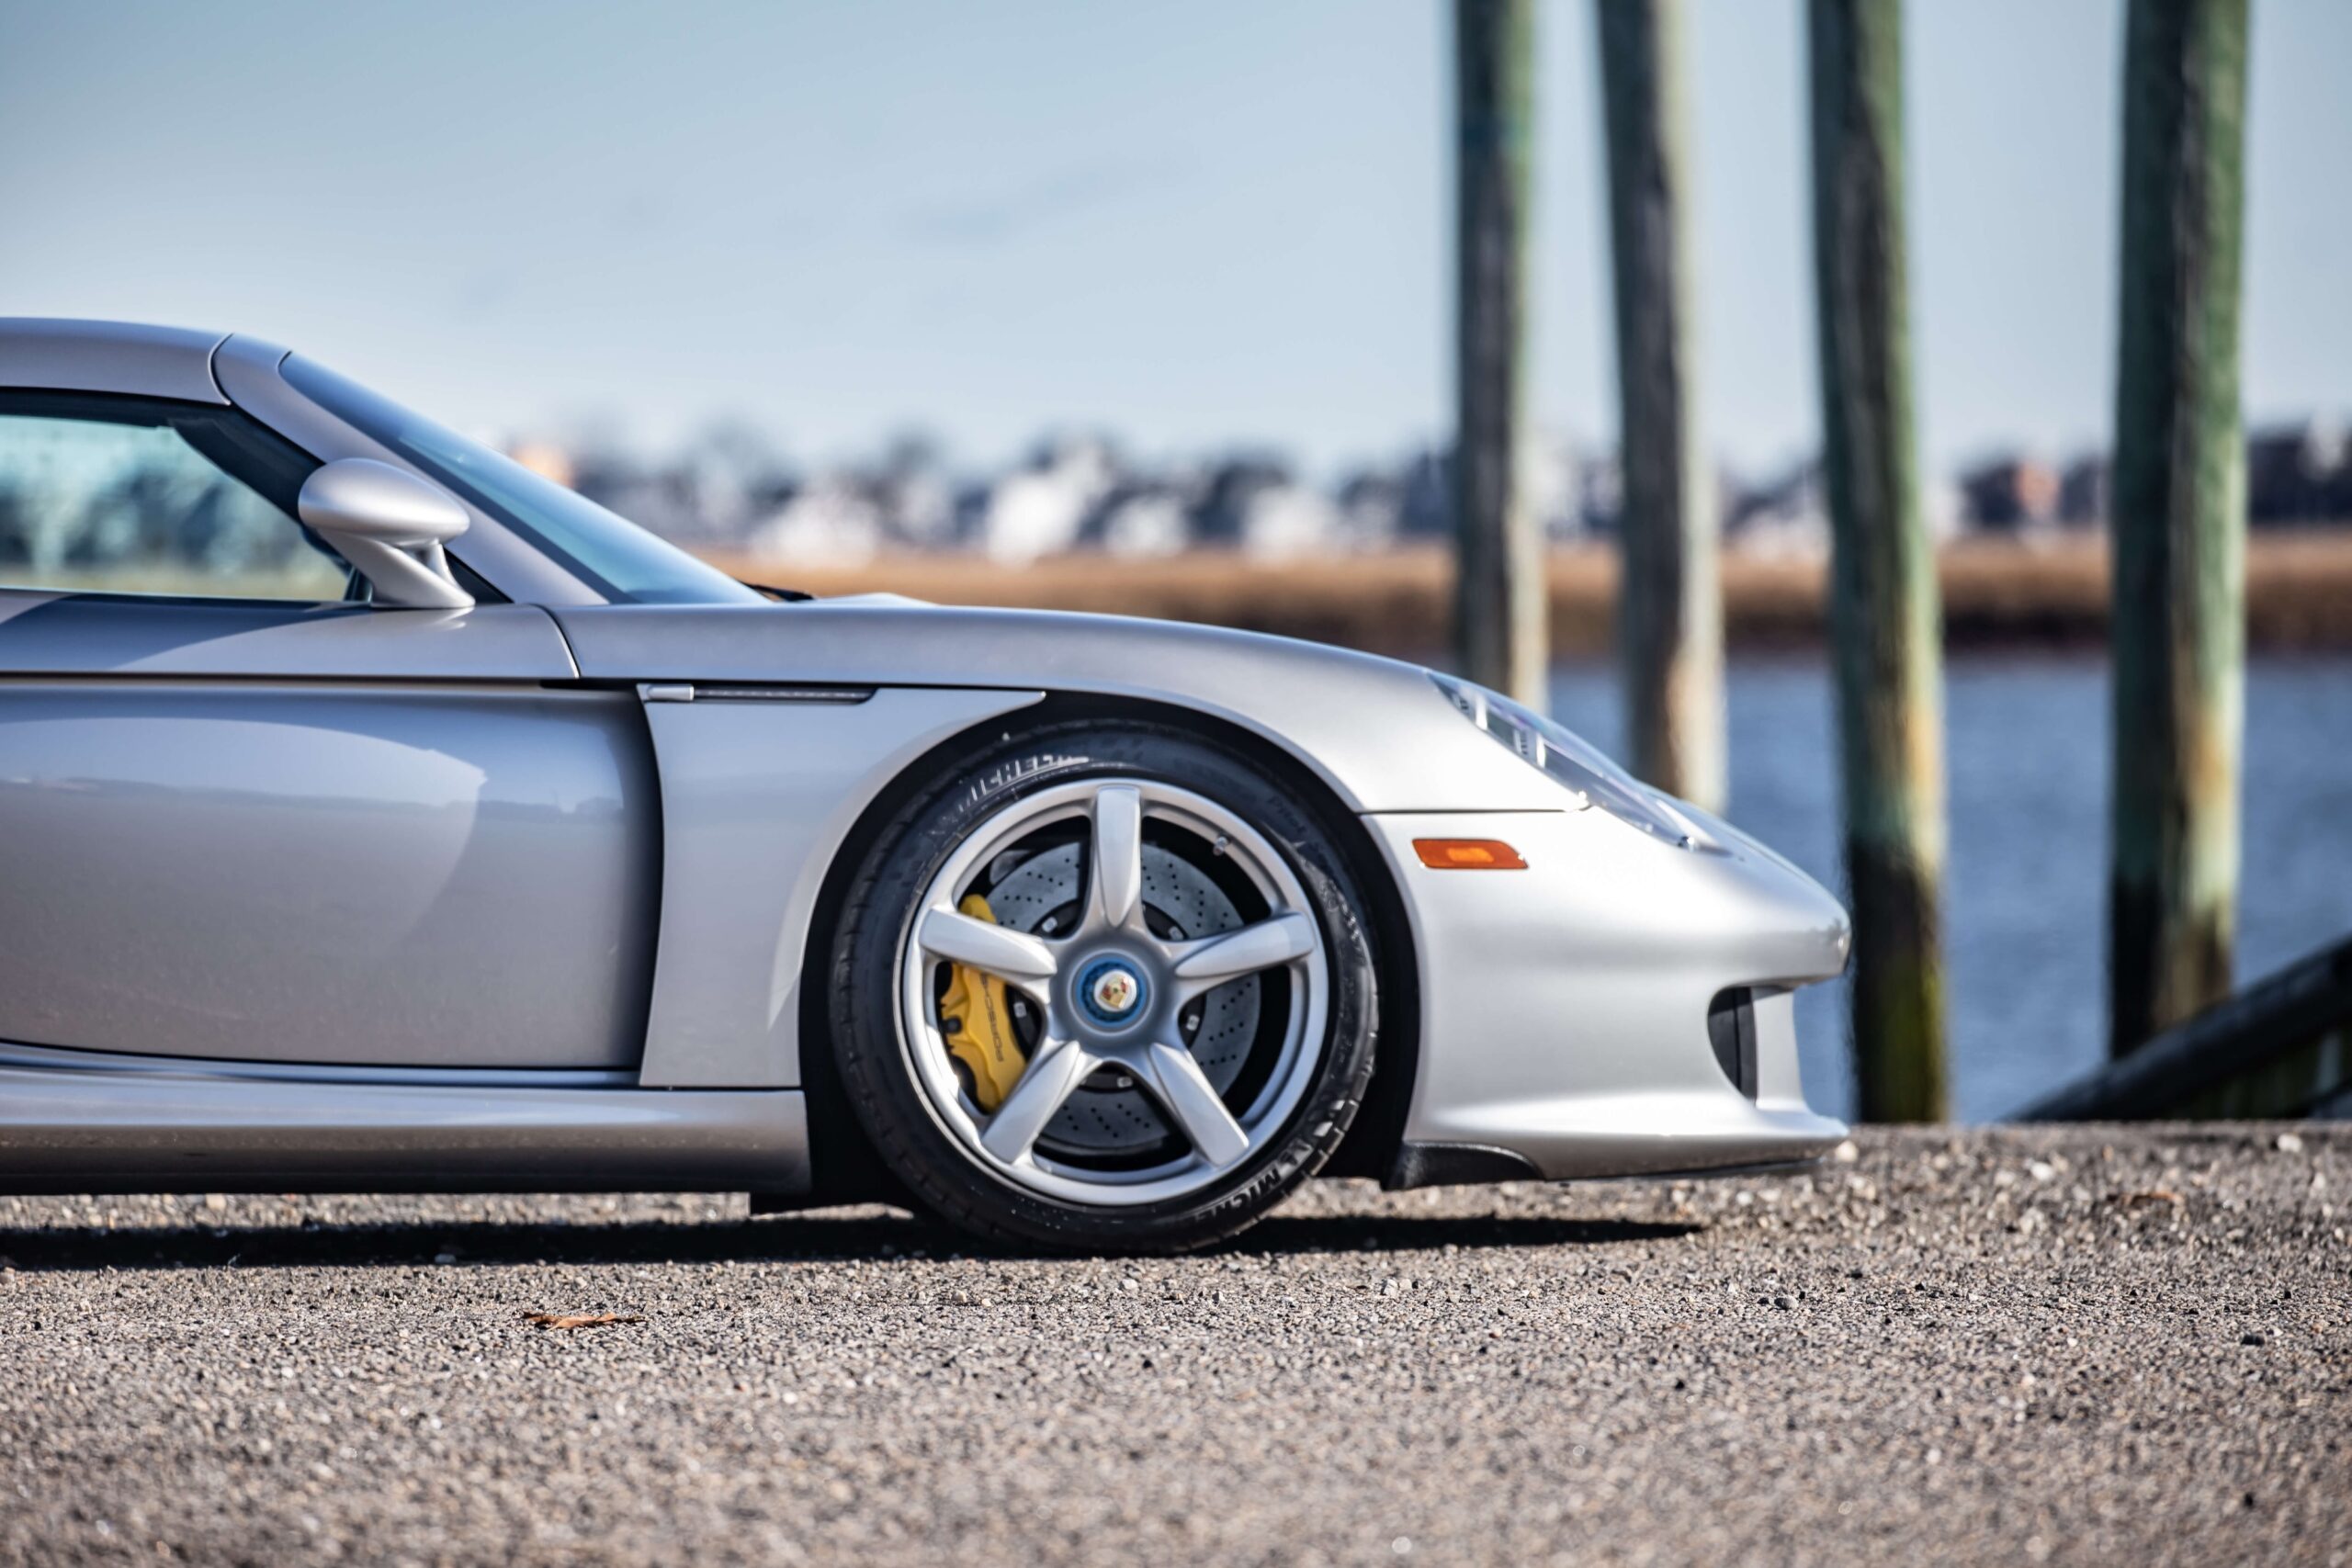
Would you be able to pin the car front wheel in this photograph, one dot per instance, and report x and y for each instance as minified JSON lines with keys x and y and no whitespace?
{"x":1107,"y":988}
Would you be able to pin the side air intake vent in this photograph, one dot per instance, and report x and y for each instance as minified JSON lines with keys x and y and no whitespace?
{"x":1731,"y":1029}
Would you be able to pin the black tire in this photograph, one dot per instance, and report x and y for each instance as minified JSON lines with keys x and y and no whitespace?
{"x":879,"y":1078}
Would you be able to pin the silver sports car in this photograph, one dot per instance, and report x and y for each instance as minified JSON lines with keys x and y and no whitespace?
{"x":376,"y":814}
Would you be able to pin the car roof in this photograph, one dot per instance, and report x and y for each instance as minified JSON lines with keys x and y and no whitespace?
{"x":62,"y":354}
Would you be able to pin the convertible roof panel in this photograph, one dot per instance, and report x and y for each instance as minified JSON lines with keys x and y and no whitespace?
{"x":109,"y":357}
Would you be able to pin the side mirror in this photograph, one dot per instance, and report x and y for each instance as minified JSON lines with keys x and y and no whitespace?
{"x":390,"y":526}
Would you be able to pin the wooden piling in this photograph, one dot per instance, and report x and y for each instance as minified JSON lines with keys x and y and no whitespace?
{"x":1884,"y":614}
{"x":1670,"y":614}
{"x":1499,"y":627}
{"x":2179,"y":512}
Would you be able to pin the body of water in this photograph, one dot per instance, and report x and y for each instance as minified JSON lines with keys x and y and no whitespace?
{"x":2025,"y":910}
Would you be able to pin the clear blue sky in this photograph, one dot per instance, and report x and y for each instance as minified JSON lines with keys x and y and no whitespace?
{"x":1190,"y":223}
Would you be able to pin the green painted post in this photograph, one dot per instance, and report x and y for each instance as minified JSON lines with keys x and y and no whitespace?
{"x":1670,"y":614}
{"x":1883,"y":616}
{"x":1499,"y":611}
{"x":2178,"y":518}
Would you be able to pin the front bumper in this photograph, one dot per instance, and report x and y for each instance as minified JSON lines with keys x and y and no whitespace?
{"x":1565,"y":1008}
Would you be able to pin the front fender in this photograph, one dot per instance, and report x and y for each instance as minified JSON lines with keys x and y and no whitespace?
{"x":757,"y":799}
{"x":1375,"y":730}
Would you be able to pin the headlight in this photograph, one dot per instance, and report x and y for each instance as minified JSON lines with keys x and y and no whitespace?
{"x":1559,"y":751}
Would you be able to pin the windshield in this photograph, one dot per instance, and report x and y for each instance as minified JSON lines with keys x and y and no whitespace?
{"x":607,"y":552}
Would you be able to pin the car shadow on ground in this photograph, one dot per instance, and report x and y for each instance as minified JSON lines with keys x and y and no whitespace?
{"x":805,"y":1237}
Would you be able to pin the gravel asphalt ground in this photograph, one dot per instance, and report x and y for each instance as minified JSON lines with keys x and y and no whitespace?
{"x":2082,"y":1345}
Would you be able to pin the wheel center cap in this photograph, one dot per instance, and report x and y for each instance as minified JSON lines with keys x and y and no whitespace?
{"x":1115,"y":991}
{"x":1110,"y":991}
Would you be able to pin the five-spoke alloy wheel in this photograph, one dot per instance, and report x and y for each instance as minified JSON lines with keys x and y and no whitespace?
{"x":1128,"y":992}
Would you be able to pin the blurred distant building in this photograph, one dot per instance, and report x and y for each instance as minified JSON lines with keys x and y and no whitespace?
{"x":716,"y":491}
{"x":1291,"y":519}
{"x":1413,"y":503}
{"x":1600,"y":496}
{"x":916,"y":495}
{"x":851,"y":512}
{"x":1428,"y":511}
{"x":2082,"y":492}
{"x":1784,"y":514}
{"x":1551,"y":485}
{"x":1040,"y":509}
{"x":1371,"y":508}
{"x":835,"y":517}
{"x":1941,"y":510}
{"x":1144,"y":517}
{"x":731,"y":489}
{"x":2297,"y":475}
{"x":2010,"y":494}
{"x":1255,"y":504}
{"x":1231,"y":487}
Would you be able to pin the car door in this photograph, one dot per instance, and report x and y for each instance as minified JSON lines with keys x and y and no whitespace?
{"x":245,"y":815}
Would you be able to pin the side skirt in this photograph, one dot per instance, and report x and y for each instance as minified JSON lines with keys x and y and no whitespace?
{"x":77,"y":1121}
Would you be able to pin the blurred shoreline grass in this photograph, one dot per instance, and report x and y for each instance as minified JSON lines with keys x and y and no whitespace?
{"x":1996,"y":594}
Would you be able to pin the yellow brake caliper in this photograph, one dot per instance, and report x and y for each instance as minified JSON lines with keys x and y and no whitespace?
{"x":979,"y":1028}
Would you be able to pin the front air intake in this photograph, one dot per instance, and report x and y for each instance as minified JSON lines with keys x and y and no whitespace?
{"x":1731,"y":1029}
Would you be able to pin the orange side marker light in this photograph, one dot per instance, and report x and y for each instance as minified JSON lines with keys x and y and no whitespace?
{"x":1468,"y":854}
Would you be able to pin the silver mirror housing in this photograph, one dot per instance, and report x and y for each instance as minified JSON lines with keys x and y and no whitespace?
{"x":390,"y":526}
